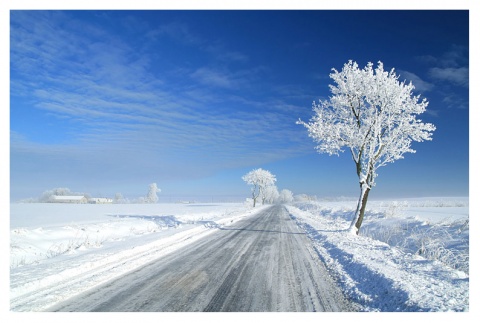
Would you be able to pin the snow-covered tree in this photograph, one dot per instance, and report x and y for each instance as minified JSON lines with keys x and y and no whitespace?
{"x":119,"y":199}
{"x":259,"y":179}
{"x":270,"y":194}
{"x":286,"y":196}
{"x":152,"y":194}
{"x":373,"y":115}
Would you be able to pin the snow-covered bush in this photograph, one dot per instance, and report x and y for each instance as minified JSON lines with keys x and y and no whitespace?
{"x":446,"y":242}
{"x":433,"y":242}
{"x":395,"y":209}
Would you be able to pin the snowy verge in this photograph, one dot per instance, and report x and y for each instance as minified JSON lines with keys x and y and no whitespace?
{"x":37,"y":286}
{"x":376,"y":275}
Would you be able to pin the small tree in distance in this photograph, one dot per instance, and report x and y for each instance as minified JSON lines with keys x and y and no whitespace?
{"x":286,"y":196}
{"x":371,"y":114}
{"x":152,"y":193}
{"x":260,"y":179}
{"x":270,"y":194}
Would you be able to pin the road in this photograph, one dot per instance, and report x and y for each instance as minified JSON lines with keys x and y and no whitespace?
{"x":261,"y":264}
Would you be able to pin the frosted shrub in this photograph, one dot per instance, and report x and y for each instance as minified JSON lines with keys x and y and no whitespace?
{"x":395,"y":209}
{"x":434,"y":242}
{"x":391,"y":234}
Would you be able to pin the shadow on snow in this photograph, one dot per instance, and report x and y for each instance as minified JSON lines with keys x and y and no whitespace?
{"x":372,"y":290}
{"x":161,"y":220}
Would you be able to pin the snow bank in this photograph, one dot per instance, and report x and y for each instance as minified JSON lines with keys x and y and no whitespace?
{"x":45,"y":230}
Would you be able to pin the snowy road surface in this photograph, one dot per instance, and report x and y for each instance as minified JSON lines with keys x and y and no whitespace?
{"x":263,"y":263}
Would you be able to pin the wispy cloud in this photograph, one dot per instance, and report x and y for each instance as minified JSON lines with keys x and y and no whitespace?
{"x":456,"y":56}
{"x":455,"y":101}
{"x":420,"y":85}
{"x":178,"y":31}
{"x":448,"y":75}
{"x":451,"y":67}
{"x":223,"y":54}
{"x":457,"y":76}
{"x":133,"y":112}
{"x":212,"y":77}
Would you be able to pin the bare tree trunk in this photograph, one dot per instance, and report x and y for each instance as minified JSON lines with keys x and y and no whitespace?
{"x":254,"y":197}
{"x":360,"y":212}
{"x":358,"y":224}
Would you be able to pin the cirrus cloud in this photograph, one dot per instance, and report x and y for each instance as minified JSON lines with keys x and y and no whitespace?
{"x":457,"y":76}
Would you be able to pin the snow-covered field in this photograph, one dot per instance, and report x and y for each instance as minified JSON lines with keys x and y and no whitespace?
{"x":413,"y":255}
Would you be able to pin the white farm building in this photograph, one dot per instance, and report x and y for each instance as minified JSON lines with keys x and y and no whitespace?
{"x":100,"y":200}
{"x":68,"y":199}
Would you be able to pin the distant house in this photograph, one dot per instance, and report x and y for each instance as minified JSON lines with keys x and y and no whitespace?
{"x":100,"y":200}
{"x":68,"y":199}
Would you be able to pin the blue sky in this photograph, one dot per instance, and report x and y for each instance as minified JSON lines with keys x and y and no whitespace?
{"x":111,"y":101}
